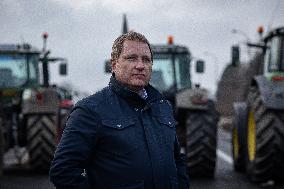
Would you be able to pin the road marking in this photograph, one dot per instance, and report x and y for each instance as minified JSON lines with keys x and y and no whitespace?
{"x":224,"y":156}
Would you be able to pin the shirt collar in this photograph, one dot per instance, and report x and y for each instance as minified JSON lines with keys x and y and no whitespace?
{"x":143,"y":94}
{"x":148,"y":93}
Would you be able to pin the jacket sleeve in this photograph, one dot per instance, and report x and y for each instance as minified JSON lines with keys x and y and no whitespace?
{"x":180,"y":159}
{"x":74,"y":150}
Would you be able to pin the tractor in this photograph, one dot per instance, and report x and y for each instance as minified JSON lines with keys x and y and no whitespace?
{"x":193,"y":108}
{"x":32,"y":112}
{"x":258,"y":110}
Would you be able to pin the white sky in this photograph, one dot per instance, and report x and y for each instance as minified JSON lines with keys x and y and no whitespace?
{"x":83,"y":30}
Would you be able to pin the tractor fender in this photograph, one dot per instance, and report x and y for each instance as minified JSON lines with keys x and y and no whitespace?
{"x":184,"y":99}
{"x":271,"y":92}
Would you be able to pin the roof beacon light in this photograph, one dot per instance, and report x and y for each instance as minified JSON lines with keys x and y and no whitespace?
{"x":45,"y":35}
{"x":170,"y":40}
{"x":260,"y":30}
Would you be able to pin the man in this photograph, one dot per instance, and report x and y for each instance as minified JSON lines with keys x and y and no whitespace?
{"x":122,"y":137}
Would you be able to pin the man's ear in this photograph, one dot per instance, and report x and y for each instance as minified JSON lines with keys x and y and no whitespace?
{"x":113,"y":65}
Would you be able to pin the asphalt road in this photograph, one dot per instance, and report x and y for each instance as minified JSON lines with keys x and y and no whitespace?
{"x":225,"y":177}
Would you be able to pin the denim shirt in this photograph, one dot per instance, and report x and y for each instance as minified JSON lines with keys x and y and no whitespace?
{"x":116,"y":139}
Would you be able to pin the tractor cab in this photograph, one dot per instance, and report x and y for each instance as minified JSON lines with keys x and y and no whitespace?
{"x":18,"y":66}
{"x":18,"y":70}
{"x":171,"y":69}
{"x":274,"y":55}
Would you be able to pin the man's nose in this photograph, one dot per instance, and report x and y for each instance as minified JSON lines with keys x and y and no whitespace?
{"x":140,"y":64}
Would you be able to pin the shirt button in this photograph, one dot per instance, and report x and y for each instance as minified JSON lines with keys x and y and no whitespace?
{"x":136,"y":109}
{"x":161,"y":101}
{"x":170,"y":122}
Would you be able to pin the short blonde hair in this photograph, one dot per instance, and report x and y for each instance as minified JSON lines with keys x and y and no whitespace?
{"x":132,"y":36}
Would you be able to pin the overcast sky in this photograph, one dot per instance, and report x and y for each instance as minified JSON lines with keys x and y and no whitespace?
{"x":83,"y":30}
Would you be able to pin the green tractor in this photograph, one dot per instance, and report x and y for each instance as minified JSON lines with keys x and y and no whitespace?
{"x":32,"y":113}
{"x":258,"y":116}
{"x":194,"y":110}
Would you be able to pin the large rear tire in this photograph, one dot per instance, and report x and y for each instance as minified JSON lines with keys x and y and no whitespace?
{"x":265,"y":141}
{"x":201,"y":142}
{"x":41,"y":140}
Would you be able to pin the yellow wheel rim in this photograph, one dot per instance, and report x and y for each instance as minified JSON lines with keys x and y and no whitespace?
{"x":251,"y":137}
{"x":235,"y":143}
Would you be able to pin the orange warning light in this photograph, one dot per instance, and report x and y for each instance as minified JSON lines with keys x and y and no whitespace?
{"x":260,"y":30}
{"x":170,"y":40}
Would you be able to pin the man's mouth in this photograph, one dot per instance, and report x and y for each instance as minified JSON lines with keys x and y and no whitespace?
{"x":140,"y":76}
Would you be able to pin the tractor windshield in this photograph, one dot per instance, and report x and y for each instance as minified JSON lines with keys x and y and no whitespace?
{"x":170,"y":72}
{"x":275,"y":54}
{"x":17,"y":70}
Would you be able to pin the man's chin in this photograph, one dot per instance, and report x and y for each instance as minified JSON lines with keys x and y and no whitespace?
{"x":139,"y":82}
{"x":138,"y":85}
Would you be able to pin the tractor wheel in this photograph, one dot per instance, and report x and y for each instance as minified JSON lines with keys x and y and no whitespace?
{"x":201,"y":138}
{"x":239,"y":137}
{"x":265,"y":141}
{"x":41,"y":140}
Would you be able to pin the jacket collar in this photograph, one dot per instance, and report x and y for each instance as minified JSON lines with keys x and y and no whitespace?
{"x":126,"y":93}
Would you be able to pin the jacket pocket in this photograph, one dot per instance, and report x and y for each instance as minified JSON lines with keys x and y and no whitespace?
{"x":121,"y":136}
{"x":167,"y":121}
{"x":118,"y":124}
{"x":168,"y":128}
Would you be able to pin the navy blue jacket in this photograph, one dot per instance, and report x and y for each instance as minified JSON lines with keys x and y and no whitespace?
{"x":116,"y":139}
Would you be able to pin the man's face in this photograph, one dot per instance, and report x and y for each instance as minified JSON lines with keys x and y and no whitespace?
{"x":133,"y":67}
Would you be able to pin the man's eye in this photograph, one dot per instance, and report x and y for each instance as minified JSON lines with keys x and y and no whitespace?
{"x":146,"y":60}
{"x":130,"y":58}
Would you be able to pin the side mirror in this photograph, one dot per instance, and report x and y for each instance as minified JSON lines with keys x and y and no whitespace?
{"x":107,"y":66}
{"x":199,"y":66}
{"x":235,"y":55}
{"x":63,"y":69}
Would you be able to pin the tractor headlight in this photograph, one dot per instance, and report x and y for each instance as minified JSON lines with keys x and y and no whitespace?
{"x":27,"y":95}
{"x":32,"y":95}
